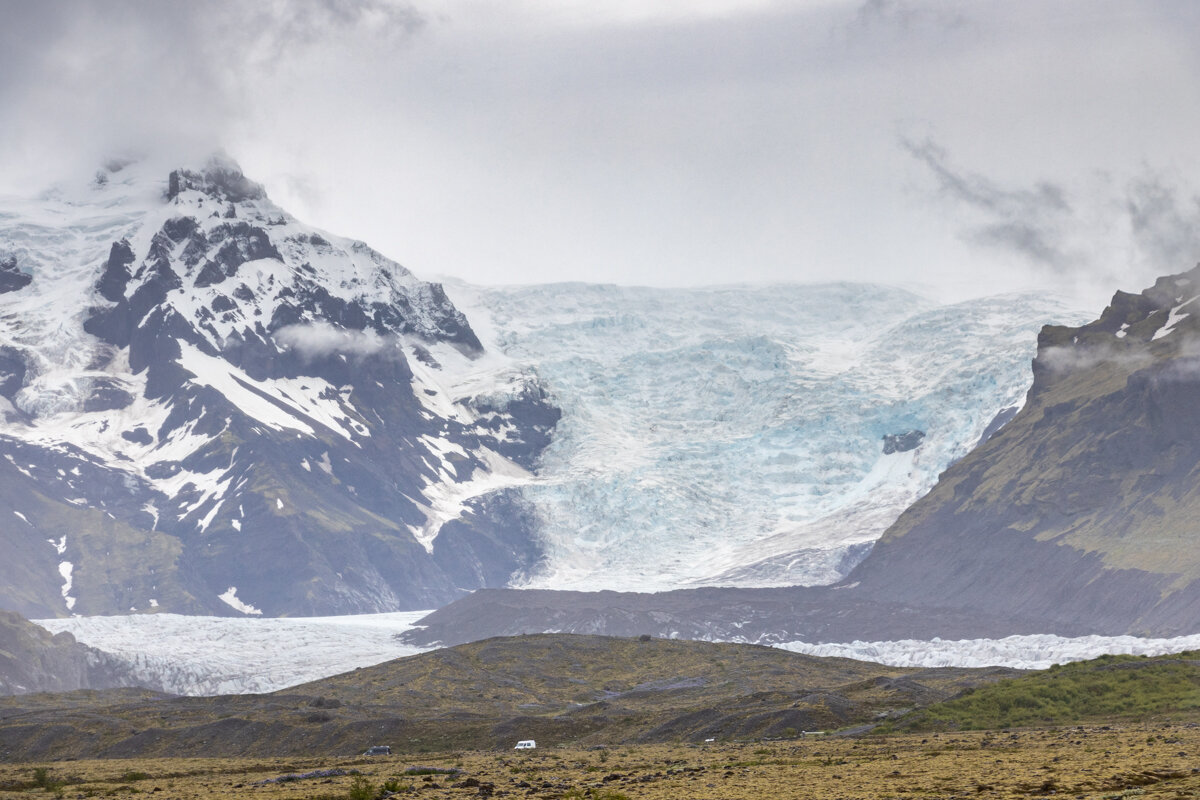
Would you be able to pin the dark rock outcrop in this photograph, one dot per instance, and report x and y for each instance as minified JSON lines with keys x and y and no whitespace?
{"x":902,"y":442}
{"x":11,"y":277}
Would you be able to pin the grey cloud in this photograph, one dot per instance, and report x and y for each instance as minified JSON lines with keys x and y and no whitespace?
{"x":1023,"y":237}
{"x":905,"y":15}
{"x":1165,"y":227}
{"x":1028,"y":222}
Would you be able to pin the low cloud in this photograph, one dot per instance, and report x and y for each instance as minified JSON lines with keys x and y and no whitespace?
{"x":321,"y":339}
{"x":178,"y":75}
{"x":1028,"y":221}
{"x":1067,"y":359}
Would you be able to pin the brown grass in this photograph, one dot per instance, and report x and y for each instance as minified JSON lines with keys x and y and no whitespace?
{"x":1111,"y":762}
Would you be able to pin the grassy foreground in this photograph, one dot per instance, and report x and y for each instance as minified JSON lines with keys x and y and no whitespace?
{"x":1110,"y":762}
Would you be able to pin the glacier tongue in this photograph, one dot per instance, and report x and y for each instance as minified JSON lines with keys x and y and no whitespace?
{"x":214,"y":655}
{"x":733,"y":435}
{"x":1032,"y":651}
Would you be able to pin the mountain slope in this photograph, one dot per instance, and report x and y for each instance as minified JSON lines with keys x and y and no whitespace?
{"x":1086,"y":506}
{"x":209,"y":407}
{"x":33,"y":660}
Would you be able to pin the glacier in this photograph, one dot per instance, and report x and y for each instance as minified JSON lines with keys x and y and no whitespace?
{"x":733,"y":435}
{"x":219,"y":655}
{"x":197,"y":655}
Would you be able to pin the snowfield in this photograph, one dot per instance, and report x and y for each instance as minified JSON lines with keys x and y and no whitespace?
{"x":221,"y":655}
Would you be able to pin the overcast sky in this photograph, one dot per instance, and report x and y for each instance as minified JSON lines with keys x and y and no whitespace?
{"x":963,"y":147}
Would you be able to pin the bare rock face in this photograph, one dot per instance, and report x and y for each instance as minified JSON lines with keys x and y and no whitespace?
{"x":11,"y":277}
{"x":1082,"y":508}
{"x":902,"y":442}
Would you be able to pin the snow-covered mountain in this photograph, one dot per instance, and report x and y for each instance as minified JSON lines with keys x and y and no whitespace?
{"x":750,"y":436}
{"x":207,"y":406}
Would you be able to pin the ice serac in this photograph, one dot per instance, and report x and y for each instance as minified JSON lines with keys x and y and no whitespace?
{"x":207,"y":406}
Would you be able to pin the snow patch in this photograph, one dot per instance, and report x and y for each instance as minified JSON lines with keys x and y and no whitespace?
{"x":65,"y":569}
{"x":230,"y":598}
{"x":1175,"y":316}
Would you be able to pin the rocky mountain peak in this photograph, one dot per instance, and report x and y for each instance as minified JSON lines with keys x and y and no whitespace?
{"x":220,"y":179}
{"x":210,"y":406}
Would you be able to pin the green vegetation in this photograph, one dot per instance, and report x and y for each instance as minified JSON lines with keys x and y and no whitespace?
{"x":1106,"y":688}
{"x":42,"y":780}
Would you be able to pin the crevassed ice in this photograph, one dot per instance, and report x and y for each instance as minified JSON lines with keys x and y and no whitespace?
{"x":733,"y":435}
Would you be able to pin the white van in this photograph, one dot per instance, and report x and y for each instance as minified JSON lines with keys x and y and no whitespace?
{"x":526,"y":744}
